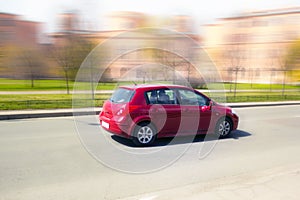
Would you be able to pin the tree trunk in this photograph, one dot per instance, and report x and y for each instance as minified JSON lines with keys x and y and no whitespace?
{"x":32,"y":82}
{"x":92,"y":81}
{"x":235,"y":82}
{"x":283,"y":83}
{"x":67,"y":81}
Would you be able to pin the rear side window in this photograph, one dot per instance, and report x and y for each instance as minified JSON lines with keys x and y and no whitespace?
{"x":161,"y":96}
{"x":122,"y":95}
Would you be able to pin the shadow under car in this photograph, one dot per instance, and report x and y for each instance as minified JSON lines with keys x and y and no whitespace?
{"x":183,"y":139}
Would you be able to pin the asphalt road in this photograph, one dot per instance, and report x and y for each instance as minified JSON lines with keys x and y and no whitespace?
{"x":46,"y":158}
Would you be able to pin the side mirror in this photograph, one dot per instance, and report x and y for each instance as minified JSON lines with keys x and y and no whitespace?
{"x":211,"y":103}
{"x":207,"y":107}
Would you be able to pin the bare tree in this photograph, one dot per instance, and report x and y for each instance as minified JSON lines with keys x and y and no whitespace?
{"x":5,"y":57}
{"x":24,"y":62}
{"x":283,"y":62}
{"x":293,"y":61}
{"x":171,"y":60}
{"x":2,"y":58}
{"x":33,"y":63}
{"x":234,"y":56}
{"x":70,"y":56}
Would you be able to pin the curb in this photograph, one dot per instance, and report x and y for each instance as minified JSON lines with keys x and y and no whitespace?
{"x":45,"y":114}
{"x":9,"y":115}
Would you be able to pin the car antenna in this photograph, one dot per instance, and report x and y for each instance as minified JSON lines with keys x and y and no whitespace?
{"x":134,"y":83}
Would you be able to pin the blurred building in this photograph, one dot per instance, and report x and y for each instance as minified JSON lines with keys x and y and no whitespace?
{"x":117,"y":23}
{"x":69,"y":21}
{"x":125,"y":20}
{"x":123,"y":67}
{"x":253,"y":45}
{"x":183,"y":24}
{"x":22,"y":54}
{"x":14,"y":31}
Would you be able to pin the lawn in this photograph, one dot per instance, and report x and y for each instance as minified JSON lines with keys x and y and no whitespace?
{"x":253,"y":96}
{"x":262,"y":96}
{"x":248,"y":86}
{"x":46,"y":85}
{"x":56,"y":101}
{"x":25,"y":85}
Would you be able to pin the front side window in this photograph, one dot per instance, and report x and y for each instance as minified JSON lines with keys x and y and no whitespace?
{"x":161,"y":96}
{"x":122,"y":95}
{"x":189,"y":97}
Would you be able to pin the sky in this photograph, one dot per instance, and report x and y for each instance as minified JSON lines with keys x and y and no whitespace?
{"x":93,"y":11}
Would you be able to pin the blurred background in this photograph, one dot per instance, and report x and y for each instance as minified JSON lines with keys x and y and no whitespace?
{"x":254,"y":45}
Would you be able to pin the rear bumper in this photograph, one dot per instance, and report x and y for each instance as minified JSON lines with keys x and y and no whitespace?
{"x":117,"y":128}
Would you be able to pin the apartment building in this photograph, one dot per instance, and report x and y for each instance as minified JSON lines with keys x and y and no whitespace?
{"x":252,"y":47}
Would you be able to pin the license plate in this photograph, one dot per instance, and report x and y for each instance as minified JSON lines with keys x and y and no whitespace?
{"x":105,"y":124}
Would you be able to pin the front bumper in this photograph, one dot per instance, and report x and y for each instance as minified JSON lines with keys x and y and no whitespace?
{"x":235,"y":120}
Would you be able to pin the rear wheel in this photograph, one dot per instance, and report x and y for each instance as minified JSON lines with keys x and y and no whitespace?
{"x":223,"y":127}
{"x":144,"y":134}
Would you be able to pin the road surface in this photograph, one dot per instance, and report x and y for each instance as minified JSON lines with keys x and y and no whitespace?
{"x":45,"y":159}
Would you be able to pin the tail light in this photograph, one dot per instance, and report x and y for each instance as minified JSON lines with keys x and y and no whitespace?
{"x":126,"y":109}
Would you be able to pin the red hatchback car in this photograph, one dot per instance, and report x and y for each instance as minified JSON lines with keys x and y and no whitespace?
{"x":146,"y":112}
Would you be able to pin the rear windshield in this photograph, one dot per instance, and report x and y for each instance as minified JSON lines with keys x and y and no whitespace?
{"x":122,"y":95}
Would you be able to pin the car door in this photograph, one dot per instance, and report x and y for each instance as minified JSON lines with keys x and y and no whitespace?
{"x":195,"y":112}
{"x":164,"y":111}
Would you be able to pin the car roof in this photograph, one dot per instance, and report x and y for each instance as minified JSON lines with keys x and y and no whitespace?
{"x":153,"y":86}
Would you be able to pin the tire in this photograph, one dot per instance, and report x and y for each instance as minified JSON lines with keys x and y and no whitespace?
{"x":144,"y":134}
{"x":223,"y":127}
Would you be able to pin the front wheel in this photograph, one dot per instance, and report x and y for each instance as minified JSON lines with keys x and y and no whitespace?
{"x":144,"y":134}
{"x":223,"y":127}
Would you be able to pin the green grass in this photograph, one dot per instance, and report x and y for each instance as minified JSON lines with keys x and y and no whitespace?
{"x":25,"y":85}
{"x":256,"y":86}
{"x":56,"y":101}
{"x":47,"y":85}
{"x":255,"y":96}
{"x":262,"y":96}
{"x":106,"y":86}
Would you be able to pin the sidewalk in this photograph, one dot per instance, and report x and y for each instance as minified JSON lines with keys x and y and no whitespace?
{"x":23,"y":114}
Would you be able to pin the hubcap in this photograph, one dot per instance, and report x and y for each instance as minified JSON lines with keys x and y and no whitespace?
{"x":224,"y":128}
{"x":145,"y":134}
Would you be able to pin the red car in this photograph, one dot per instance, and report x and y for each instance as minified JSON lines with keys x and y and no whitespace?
{"x":146,"y":112}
